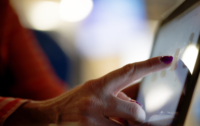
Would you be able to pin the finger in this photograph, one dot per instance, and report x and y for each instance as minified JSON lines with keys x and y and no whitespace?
{"x":123,"y":96}
{"x":121,"y":121}
{"x":130,"y":111}
{"x":132,"y":90}
{"x":123,"y":77}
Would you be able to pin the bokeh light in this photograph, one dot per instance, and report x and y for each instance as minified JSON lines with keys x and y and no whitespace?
{"x":75,"y":10}
{"x":115,"y":28}
{"x":44,"y":15}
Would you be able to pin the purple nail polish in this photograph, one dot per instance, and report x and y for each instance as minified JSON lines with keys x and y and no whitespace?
{"x":139,"y":104}
{"x":136,"y":102}
{"x":166,"y":59}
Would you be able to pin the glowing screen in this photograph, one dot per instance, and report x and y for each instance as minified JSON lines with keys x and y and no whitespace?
{"x":160,"y":92}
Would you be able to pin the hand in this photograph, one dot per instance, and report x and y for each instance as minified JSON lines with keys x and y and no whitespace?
{"x":92,"y":103}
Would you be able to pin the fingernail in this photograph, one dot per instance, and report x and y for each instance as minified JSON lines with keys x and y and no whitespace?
{"x":166,"y":59}
{"x":136,"y":102}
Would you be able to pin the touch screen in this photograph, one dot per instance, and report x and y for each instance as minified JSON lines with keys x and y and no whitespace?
{"x":161,"y":92}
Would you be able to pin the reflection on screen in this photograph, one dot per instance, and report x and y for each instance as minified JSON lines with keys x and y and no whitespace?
{"x":160,"y":92}
{"x":190,"y":56}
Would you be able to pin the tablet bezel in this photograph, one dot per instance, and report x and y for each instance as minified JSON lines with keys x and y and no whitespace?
{"x":190,"y":89}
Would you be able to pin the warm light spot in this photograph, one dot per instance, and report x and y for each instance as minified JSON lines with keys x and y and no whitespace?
{"x":75,"y":10}
{"x":157,"y":97}
{"x":190,"y":56}
{"x":44,"y":15}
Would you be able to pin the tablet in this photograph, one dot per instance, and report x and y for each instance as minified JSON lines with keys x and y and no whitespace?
{"x":166,"y":95}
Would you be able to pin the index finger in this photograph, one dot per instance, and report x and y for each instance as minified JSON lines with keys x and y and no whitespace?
{"x":123,"y":77}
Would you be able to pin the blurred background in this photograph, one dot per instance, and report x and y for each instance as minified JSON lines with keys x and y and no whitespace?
{"x":85,"y":39}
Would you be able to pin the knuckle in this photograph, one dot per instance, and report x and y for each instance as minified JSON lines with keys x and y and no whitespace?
{"x":128,"y":69}
{"x":150,"y":65}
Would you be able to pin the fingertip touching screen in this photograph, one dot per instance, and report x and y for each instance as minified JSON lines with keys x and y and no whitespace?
{"x":161,"y":92}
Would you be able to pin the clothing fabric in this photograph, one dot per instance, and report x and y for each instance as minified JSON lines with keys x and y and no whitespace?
{"x":25,"y":72}
{"x":8,"y":106}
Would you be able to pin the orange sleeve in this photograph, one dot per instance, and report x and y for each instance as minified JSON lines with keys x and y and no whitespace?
{"x":33,"y":76}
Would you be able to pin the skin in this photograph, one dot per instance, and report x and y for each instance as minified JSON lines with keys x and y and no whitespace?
{"x":95,"y":103}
